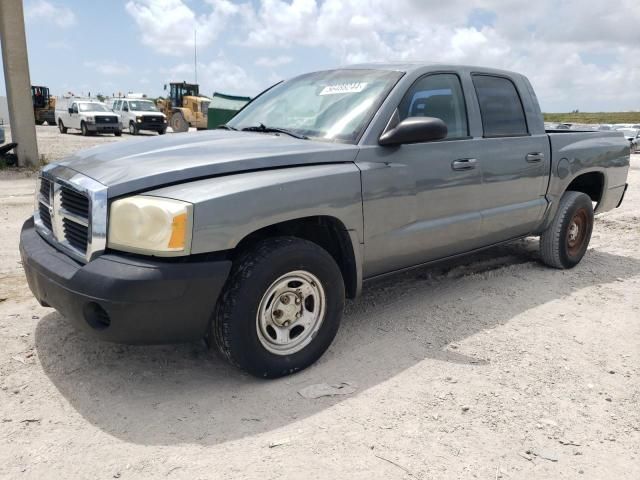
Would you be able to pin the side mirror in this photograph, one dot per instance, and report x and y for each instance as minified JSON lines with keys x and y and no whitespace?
{"x":70,"y":110}
{"x":415,"y":130}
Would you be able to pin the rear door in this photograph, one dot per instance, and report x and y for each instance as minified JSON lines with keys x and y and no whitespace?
{"x":420,"y":200}
{"x":515,"y":162}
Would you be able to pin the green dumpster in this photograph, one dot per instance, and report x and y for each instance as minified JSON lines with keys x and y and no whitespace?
{"x":223,"y":108}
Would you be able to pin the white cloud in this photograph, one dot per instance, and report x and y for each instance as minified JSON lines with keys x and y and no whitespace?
{"x":576,"y":57}
{"x":44,"y":11}
{"x":219,"y":75}
{"x":547,"y":40}
{"x":168,"y":26}
{"x":273,"y":61}
{"x":108,"y":68}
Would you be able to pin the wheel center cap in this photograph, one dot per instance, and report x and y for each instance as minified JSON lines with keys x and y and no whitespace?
{"x":286,"y":309}
{"x":573,"y":231}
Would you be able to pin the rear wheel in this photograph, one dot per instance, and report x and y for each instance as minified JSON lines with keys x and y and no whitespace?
{"x":565,"y":242}
{"x":61,"y":127}
{"x":281,"y":307}
{"x":178,"y":123}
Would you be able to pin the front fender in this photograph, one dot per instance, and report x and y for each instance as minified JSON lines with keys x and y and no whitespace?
{"x":228,"y":208}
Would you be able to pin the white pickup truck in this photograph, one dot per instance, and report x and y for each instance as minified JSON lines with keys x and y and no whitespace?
{"x":88,"y":116}
{"x":140,"y":114}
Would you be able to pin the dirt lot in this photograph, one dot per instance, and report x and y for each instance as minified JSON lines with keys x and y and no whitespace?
{"x":490,"y":367}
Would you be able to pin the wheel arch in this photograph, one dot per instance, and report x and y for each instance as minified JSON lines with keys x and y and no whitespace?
{"x":590,"y":183}
{"x":326,"y":231}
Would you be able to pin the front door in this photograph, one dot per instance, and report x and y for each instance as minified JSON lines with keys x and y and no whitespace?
{"x":420,"y":201}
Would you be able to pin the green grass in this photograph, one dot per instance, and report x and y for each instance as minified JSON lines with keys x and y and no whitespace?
{"x":600,"y":117}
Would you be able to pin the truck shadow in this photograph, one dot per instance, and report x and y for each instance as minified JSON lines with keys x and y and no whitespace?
{"x":162,"y":395}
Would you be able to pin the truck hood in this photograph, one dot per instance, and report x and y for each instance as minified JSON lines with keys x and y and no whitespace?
{"x":137,"y":165}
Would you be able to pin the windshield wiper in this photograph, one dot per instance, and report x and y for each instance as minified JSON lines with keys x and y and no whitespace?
{"x":261,"y":127}
{"x":226,"y":127}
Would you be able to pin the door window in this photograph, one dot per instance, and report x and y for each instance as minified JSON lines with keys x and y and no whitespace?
{"x":500,"y":107}
{"x":438,"y":96}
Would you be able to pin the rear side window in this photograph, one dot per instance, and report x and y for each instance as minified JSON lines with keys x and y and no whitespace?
{"x":500,"y":107}
{"x":438,"y":96}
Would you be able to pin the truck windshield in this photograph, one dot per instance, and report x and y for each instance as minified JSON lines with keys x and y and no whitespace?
{"x":92,"y":107}
{"x":142,"y":106}
{"x":333,"y":105}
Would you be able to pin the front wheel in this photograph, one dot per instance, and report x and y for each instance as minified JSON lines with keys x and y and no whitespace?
{"x":178,"y":123}
{"x":133,"y":130}
{"x":565,"y":242}
{"x":118,"y":133}
{"x":84,"y":129}
{"x":280,"y":309}
{"x":61,"y":127}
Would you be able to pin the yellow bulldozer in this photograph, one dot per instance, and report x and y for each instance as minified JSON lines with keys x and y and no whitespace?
{"x":44,"y":105}
{"x":184,"y":107}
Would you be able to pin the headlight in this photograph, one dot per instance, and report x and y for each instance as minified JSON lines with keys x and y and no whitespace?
{"x":89,"y":119}
{"x":139,"y":119}
{"x":151,"y":225}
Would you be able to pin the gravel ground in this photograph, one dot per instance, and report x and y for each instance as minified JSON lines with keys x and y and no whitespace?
{"x":490,"y":367}
{"x":53,"y":146}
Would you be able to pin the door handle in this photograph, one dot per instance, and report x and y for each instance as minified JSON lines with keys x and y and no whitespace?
{"x":535,"y":157}
{"x":464,"y":164}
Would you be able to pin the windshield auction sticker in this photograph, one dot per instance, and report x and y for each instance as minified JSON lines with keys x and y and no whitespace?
{"x":354,"y":87}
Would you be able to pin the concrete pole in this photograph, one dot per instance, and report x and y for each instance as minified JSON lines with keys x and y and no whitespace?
{"x":16,"y":76}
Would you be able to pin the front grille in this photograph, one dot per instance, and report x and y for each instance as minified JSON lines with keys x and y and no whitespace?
{"x":72,"y":212}
{"x":45,"y":216}
{"x":45,"y":188}
{"x":76,"y":234}
{"x":74,"y":202}
{"x":151,"y":119}
{"x":105,"y":119}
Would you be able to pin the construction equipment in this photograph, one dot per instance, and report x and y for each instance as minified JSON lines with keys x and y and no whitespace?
{"x":185,"y":107}
{"x":44,"y":105}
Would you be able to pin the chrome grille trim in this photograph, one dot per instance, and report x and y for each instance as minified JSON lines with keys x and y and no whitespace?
{"x":96,"y":223}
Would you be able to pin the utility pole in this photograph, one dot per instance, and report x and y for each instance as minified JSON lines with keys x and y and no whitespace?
{"x":16,"y":76}
{"x":195,"y":54}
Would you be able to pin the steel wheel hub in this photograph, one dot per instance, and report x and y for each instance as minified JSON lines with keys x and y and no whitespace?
{"x":291,"y":312}
{"x":577,"y":232}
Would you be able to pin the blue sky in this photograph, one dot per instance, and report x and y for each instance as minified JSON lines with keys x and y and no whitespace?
{"x":576,"y":57}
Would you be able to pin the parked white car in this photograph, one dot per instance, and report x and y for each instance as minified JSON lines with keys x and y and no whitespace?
{"x":88,"y":116}
{"x":140,"y":114}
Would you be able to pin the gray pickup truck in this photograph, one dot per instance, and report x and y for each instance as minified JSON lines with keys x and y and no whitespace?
{"x":252,"y":235}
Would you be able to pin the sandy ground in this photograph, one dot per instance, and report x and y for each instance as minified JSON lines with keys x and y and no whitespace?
{"x":490,"y":367}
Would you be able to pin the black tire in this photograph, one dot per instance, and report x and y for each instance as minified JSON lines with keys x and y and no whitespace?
{"x":162,"y":131}
{"x":84,"y":130}
{"x":566,"y":240}
{"x":61,"y":127}
{"x":235,"y":326}
{"x":133,"y":130}
{"x":51,"y":123}
{"x":39,"y":122}
{"x":118,"y":133}
{"x":178,"y":123}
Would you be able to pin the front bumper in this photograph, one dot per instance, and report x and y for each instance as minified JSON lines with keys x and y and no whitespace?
{"x":124,"y":299}
{"x":104,"y":127}
{"x":153,"y":126}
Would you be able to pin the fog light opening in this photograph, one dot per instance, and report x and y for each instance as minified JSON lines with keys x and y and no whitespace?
{"x":96,"y":316}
